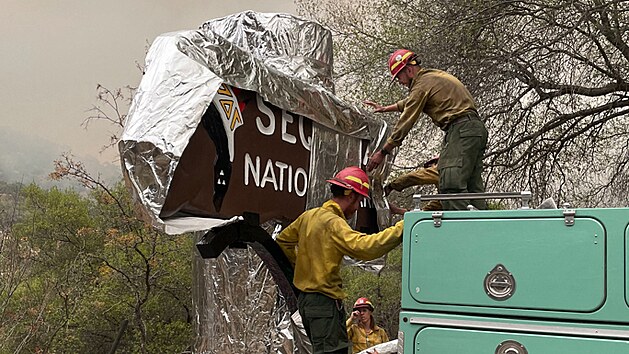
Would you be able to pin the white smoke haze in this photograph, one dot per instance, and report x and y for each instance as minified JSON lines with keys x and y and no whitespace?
{"x":54,"y":56}
{"x":27,"y":158}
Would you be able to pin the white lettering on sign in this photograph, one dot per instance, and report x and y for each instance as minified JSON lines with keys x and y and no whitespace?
{"x":286,"y":120}
{"x":293,"y":179}
{"x":269,"y":175}
{"x":289,"y":138}
{"x":283,"y":166}
{"x":300,"y":172}
{"x":250,"y":167}
{"x":305,"y":141}
{"x":268,"y":129}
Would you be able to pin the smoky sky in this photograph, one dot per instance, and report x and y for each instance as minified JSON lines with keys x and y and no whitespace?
{"x":54,"y":53}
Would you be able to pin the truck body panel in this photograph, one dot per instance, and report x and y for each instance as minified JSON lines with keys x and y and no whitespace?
{"x":550,"y":280}
{"x":430,"y":333}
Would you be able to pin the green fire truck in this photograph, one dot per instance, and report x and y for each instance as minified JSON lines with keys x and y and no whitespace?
{"x":515,"y":281}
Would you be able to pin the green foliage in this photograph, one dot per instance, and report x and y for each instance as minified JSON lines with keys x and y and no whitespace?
{"x":550,"y":79}
{"x":173,"y":337}
{"x":383,"y":289}
{"x":85,"y":265}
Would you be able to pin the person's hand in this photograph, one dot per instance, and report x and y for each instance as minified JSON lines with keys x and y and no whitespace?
{"x":376,"y":107}
{"x":354,"y":316}
{"x":375,"y":160}
{"x":396,"y":209}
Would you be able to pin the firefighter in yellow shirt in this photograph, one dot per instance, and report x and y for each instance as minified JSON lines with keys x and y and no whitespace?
{"x":315,"y":244}
{"x":362,"y":329}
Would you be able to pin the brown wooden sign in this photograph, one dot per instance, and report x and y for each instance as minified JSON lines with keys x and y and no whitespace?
{"x":246,"y":156}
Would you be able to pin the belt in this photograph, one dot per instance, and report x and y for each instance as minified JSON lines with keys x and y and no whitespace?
{"x":461,"y":118}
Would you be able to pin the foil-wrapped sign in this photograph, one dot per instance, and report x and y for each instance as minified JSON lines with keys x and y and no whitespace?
{"x":246,"y":155}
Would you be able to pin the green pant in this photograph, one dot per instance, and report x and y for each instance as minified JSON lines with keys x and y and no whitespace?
{"x":324,"y":321}
{"x":461,"y":163}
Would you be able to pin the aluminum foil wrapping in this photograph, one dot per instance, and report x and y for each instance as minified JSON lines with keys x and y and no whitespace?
{"x":288,"y":62}
{"x":237,"y":307}
{"x":285,"y":59}
{"x":382,"y":348}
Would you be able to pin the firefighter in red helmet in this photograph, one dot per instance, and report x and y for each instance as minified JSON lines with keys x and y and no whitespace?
{"x":450,"y":106}
{"x":315,"y":244}
{"x":362,"y":329}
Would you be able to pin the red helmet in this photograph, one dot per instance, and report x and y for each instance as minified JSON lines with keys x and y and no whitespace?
{"x":399,"y":59}
{"x":362,"y":302}
{"x":353,"y":178}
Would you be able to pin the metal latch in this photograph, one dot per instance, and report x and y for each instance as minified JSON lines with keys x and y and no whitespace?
{"x":511,"y":347}
{"x":499,"y":283}
{"x":436,"y":218}
{"x":568,"y":215}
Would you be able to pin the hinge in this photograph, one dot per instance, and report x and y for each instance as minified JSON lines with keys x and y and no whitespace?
{"x":568,"y":215}
{"x":436,"y":218}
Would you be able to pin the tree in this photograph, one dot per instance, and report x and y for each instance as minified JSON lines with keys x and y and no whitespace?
{"x":15,"y":261}
{"x":383,"y":290}
{"x":152,"y":269}
{"x":111,"y":108}
{"x":87,"y":267}
{"x":76,"y":267}
{"x":550,"y":78}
